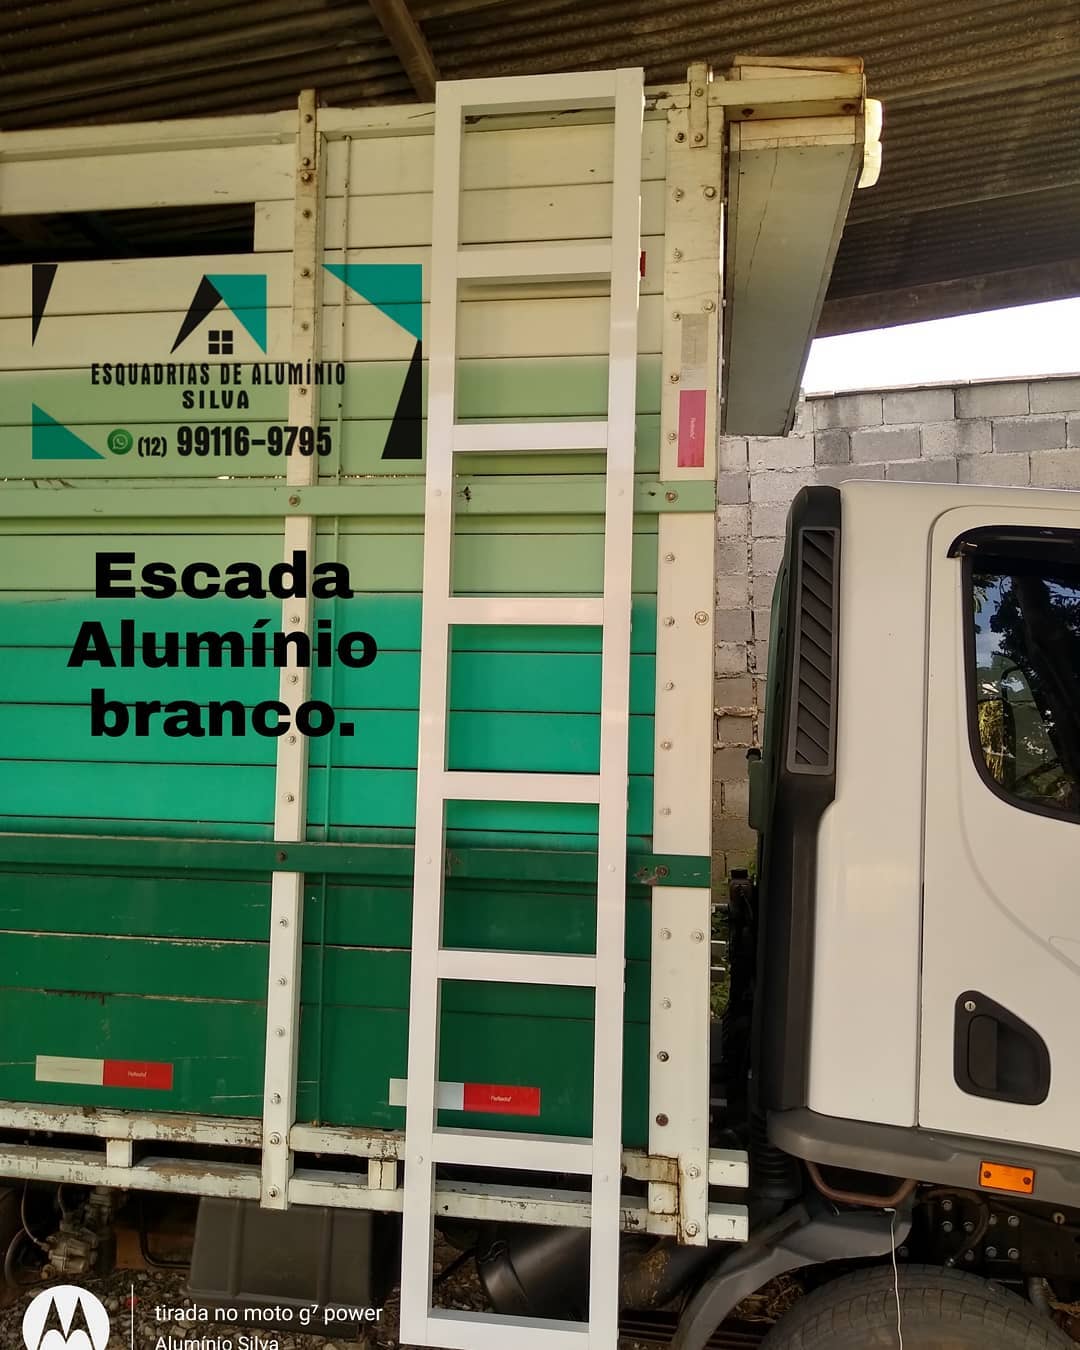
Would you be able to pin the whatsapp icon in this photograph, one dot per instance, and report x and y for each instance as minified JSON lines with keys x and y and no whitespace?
{"x":120,"y":441}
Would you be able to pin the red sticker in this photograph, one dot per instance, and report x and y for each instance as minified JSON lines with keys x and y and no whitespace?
{"x":691,"y":429}
{"x":494,"y":1099}
{"x":137,"y":1073}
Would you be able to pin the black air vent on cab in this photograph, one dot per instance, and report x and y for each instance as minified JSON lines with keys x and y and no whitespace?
{"x":812,"y":721}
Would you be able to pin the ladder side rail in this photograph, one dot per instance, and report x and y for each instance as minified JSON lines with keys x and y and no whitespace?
{"x":417,"y":1246}
{"x":614,"y":716}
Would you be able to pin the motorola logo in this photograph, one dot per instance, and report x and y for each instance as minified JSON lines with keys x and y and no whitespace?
{"x":65,"y":1318}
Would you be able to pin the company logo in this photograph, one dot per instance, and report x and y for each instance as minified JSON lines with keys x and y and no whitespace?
{"x":65,"y":1318}
{"x":243,"y":294}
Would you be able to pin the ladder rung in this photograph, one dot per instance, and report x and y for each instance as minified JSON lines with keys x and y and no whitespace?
{"x":557,"y":610}
{"x":535,"y":262}
{"x":526,"y":437}
{"x":521,"y":787}
{"x":462,"y":963}
{"x":493,"y":1331}
{"x":522,"y":1152}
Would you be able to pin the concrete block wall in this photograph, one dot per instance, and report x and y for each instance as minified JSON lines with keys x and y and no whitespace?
{"x":1017,"y":433}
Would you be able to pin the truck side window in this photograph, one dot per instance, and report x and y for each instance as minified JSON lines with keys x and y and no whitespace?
{"x":1026,"y":666}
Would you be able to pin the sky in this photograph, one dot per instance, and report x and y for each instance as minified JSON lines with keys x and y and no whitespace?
{"x":1027,"y":340}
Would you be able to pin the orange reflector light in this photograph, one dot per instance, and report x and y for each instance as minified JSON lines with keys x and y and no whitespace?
{"x":998,"y":1177}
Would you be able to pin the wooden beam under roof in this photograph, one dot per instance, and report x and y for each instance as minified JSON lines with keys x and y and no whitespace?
{"x":409,"y":44}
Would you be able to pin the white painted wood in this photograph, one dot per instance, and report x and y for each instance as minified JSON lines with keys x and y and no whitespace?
{"x":492,"y":157}
{"x":119,"y":1152}
{"x":521,"y":787}
{"x":207,"y":133}
{"x":505,"y":1149}
{"x":531,"y":609}
{"x":501,"y":967}
{"x":679,"y":1018}
{"x":729,"y":1167}
{"x":488,"y":216}
{"x":146,"y":178}
{"x":692,"y":285}
{"x":728,"y":1223}
{"x":538,"y":263}
{"x":490,"y":329}
{"x":291,"y":775}
{"x":501,"y":437}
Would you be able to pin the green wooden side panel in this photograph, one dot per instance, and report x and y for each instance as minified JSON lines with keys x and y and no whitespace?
{"x":195,"y":999}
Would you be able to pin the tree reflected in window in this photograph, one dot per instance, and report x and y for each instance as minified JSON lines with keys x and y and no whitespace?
{"x":1027,"y":678}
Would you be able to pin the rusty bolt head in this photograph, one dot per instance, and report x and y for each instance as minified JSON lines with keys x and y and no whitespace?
{"x":290,"y":797}
{"x":309,"y":117}
{"x":294,"y":500}
{"x":701,"y":617}
{"x":275,"y":1138}
{"x":748,"y":112}
{"x":302,"y":389}
{"x":709,"y":306}
{"x":710,"y":192}
{"x":698,"y":90}
{"x":669,"y":622}
{"x":306,"y":176}
{"x":678,"y":194}
{"x":847,"y":107}
{"x":675,"y":314}
{"x":697,"y":935}
{"x":294,"y":618}
{"x":305,"y":271}
{"x":693,"y":1173}
{"x":661,"y":1119}
{"x":282,"y":856}
{"x":680,"y":136}
{"x":665,"y":1003}
{"x":665,"y":745}
{"x":692,"y":1229}
{"x":306,"y":213}
{"x":671,"y":496}
{"x":273,"y":1192}
{"x":672,"y":436}
{"x":662,"y":871}
{"x":662,"y":1056}
{"x":665,"y":934}
{"x":676,"y":254}
{"x":673,"y":378}
{"x":669,"y":557}
{"x":699,"y":136}
{"x":276,"y":1098}
{"x":279,"y":1031}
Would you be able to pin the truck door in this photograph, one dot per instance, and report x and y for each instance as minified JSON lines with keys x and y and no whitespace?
{"x":1001,"y":912}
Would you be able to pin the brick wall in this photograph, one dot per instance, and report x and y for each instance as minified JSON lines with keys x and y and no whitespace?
{"x":1015,"y":433}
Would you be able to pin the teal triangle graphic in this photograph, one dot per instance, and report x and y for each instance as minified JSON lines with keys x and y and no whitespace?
{"x":50,"y":439}
{"x":245,"y":295}
{"x":395,"y":288}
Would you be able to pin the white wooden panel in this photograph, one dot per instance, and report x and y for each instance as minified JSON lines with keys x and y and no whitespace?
{"x":147,"y":179}
{"x":135,"y":285}
{"x":138,"y":285}
{"x":520,"y":157}
{"x":499,"y":328}
{"x":515,"y":215}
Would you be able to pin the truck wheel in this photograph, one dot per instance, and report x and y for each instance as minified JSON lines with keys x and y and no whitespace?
{"x":939,"y":1310}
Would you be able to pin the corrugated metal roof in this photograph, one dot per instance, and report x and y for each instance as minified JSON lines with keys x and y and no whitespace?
{"x":982,"y":137}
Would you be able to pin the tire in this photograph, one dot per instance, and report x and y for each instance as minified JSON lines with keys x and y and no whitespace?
{"x":940,"y":1310}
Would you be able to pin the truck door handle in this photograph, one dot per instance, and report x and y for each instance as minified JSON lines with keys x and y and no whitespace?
{"x":996,"y":1054}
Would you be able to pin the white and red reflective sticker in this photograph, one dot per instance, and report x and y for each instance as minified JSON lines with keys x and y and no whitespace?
{"x":116,"y":1073}
{"x":492,"y":1099}
{"x":692,"y":387}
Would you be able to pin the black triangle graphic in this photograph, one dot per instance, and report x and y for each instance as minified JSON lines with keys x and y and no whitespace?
{"x":52,"y":1323}
{"x":205,"y":300}
{"x":42,"y":276}
{"x":403,"y":441}
{"x":79,"y":1322}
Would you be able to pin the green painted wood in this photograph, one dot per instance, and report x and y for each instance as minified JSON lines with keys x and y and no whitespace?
{"x":479,"y":682}
{"x":484,"y":563}
{"x":525,"y":742}
{"x":31,"y":619}
{"x":178,"y":797}
{"x":357,"y":449}
{"x":563,"y":504}
{"x":138,"y":855}
{"x":521,"y":917}
{"x":576,"y":386}
{"x":236,"y":972}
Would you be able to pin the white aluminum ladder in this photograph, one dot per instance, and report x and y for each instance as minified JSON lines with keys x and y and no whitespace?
{"x":427,"y":1146}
